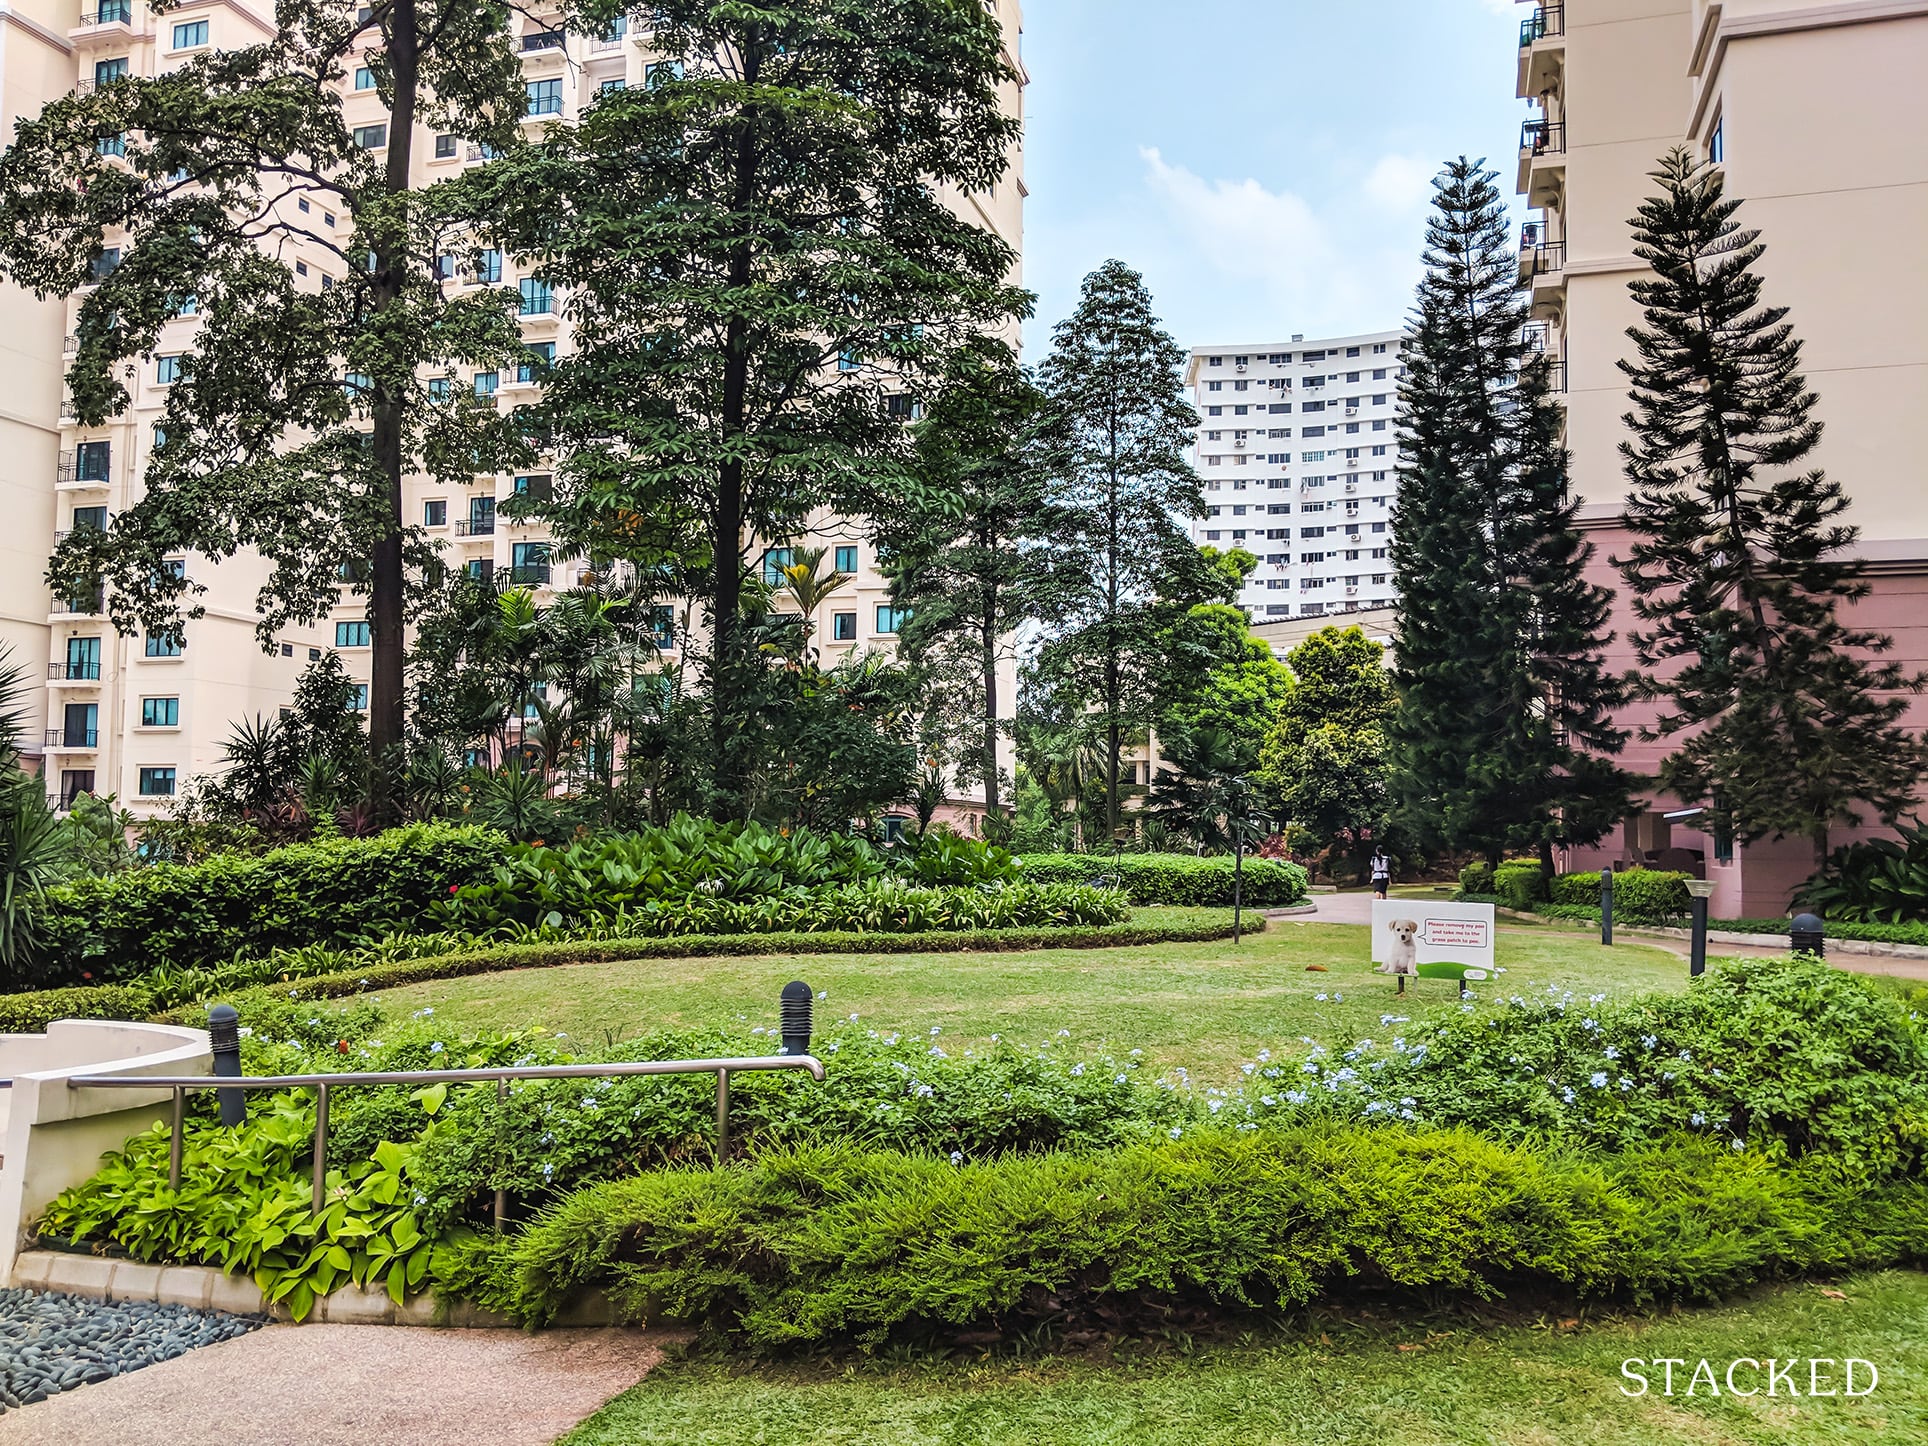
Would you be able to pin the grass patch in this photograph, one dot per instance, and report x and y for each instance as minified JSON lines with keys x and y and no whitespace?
{"x":1207,"y":1007}
{"x":1330,"y":1380}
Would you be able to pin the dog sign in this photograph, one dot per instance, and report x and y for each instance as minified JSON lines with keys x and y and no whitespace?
{"x":1409,"y":933}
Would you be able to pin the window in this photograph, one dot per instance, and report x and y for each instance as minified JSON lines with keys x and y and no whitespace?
{"x":481,"y":569}
{"x":160,"y":712}
{"x":775,"y":560}
{"x":435,"y":512}
{"x":83,"y":660}
{"x":90,"y":519}
{"x":662,"y":625}
{"x":364,"y":78}
{"x":104,"y":264}
{"x":488,"y":267}
{"x":108,"y":71}
{"x":544,"y":97}
{"x":91,"y":461}
{"x":114,"y":145}
{"x":529,"y":563}
{"x":537,"y":299}
{"x":157,"y":783}
{"x":121,"y":10}
{"x":73,"y":783}
{"x":847,"y":559}
{"x":1717,"y":153}
{"x":1215,"y":411}
{"x":1215,"y":386}
{"x":890,"y":619}
{"x":848,"y":360}
{"x":351,"y":635}
{"x":371,"y":138}
{"x":608,"y":85}
{"x":485,"y":383}
{"x":843,"y":627}
{"x":542,"y":360}
{"x":167,"y":370}
{"x":359,"y":699}
{"x":445,"y":148}
{"x":164,"y":645}
{"x":661,"y":72}
{"x":328,"y":217}
{"x":538,"y":485}
{"x":190,"y":34}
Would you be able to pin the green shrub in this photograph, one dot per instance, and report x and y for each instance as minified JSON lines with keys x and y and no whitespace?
{"x":323,"y":974}
{"x":1477,"y":879}
{"x":32,"y":1013}
{"x":1786,"y":1058}
{"x":693,"y":862}
{"x":1178,"y":879}
{"x":1519,"y":885}
{"x":1910,"y":933}
{"x":105,"y":930}
{"x":1876,"y":881}
{"x":1640,"y":896}
{"x":884,"y":906}
{"x":838,"y":1244}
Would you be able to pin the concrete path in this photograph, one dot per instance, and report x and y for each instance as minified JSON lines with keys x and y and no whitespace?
{"x":334,"y":1385}
{"x":1356,"y":908}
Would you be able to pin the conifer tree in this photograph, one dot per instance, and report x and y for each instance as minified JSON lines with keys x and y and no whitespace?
{"x":1120,"y":429}
{"x":1504,"y":735}
{"x":1787,"y":715}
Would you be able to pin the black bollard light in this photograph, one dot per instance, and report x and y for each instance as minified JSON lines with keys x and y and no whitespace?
{"x":793,"y":1011}
{"x":1606,"y":903}
{"x":224,"y":1038}
{"x":1699,"y":892}
{"x":1808,"y":935}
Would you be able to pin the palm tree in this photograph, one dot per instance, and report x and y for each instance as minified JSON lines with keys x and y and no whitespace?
{"x":808,"y":588}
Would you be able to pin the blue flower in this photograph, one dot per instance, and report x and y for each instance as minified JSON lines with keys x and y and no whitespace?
{"x":1599,"y":1079}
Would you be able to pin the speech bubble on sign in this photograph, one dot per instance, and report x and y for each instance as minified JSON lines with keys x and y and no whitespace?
{"x":1456,"y":934}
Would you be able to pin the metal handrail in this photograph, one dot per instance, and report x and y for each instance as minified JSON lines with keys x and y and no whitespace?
{"x":321,"y":1084}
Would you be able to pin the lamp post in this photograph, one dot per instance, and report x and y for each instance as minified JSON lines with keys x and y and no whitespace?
{"x":1606,"y":902}
{"x":1702,"y":890}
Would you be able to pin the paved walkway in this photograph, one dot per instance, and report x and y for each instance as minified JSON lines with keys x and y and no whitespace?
{"x":335,"y":1385}
{"x":1356,"y":908}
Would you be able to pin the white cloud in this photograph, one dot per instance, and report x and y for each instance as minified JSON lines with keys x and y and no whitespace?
{"x":1241,"y":261}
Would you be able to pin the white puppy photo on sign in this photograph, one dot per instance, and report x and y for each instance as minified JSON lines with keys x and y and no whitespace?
{"x":1407,"y":933}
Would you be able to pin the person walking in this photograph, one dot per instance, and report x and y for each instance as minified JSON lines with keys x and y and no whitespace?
{"x":1381,"y":873}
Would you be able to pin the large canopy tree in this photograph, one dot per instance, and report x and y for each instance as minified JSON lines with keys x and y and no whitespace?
{"x":1788,"y":717}
{"x":759,"y":252}
{"x":304,"y":399}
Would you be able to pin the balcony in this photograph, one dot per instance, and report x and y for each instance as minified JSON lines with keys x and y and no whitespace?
{"x":1542,"y":50}
{"x":542,"y":40}
{"x":78,"y":607}
{"x":69,"y":475}
{"x":73,"y":738}
{"x":74,"y":671}
{"x":528,"y":574}
{"x":1542,"y":161}
{"x":475,"y":527}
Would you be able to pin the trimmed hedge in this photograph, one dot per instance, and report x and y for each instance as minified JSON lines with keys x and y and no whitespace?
{"x":105,"y":930}
{"x":1910,"y":933}
{"x":32,"y":1013}
{"x":497,"y":958}
{"x":1520,"y":885}
{"x":1177,"y":879}
{"x":840,"y":1244}
{"x":1640,"y":896}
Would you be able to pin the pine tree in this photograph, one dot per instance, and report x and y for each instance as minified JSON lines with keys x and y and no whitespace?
{"x":300,"y":406}
{"x":1504,"y":734}
{"x":1789,"y":722}
{"x":1120,"y":431}
{"x":958,"y":547}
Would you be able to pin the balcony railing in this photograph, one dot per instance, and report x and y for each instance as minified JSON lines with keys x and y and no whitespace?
{"x":114,"y":11}
{"x":1547,"y":259}
{"x":475,"y":527}
{"x":526,"y":574}
{"x":542,"y":40}
{"x":73,"y":671}
{"x":79,"y":607}
{"x":1533,"y":336}
{"x":1542,"y":138}
{"x":73,"y":738}
{"x":1545,"y":21}
{"x":1556,"y":376}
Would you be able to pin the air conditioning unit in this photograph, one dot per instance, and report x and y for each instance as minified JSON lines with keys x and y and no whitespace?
{"x":1352,"y":461}
{"x":1352,"y":411}
{"x":1352,"y":487}
{"x":1238,"y":369}
{"x":1352,"y":592}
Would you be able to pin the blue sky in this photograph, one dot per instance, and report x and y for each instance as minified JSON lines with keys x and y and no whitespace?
{"x":1265,"y":163}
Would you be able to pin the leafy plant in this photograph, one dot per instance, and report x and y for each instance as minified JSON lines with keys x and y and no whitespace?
{"x":1875,"y":881}
{"x":1640,"y":896}
{"x":1176,"y":878}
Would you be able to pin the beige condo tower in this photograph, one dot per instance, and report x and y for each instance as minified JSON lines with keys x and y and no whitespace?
{"x":1818,"y":114}
{"x":138,"y":718}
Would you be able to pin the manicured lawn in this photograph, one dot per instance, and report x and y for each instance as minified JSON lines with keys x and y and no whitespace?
{"x":1206,"y":1007}
{"x":1415,"y":1383}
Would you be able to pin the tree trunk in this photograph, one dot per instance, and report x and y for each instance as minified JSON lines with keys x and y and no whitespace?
{"x":1547,"y":869}
{"x":387,"y":716}
{"x":987,"y":642}
{"x":728,"y":801}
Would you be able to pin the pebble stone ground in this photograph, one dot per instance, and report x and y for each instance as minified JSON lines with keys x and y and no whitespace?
{"x":51,"y":1342}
